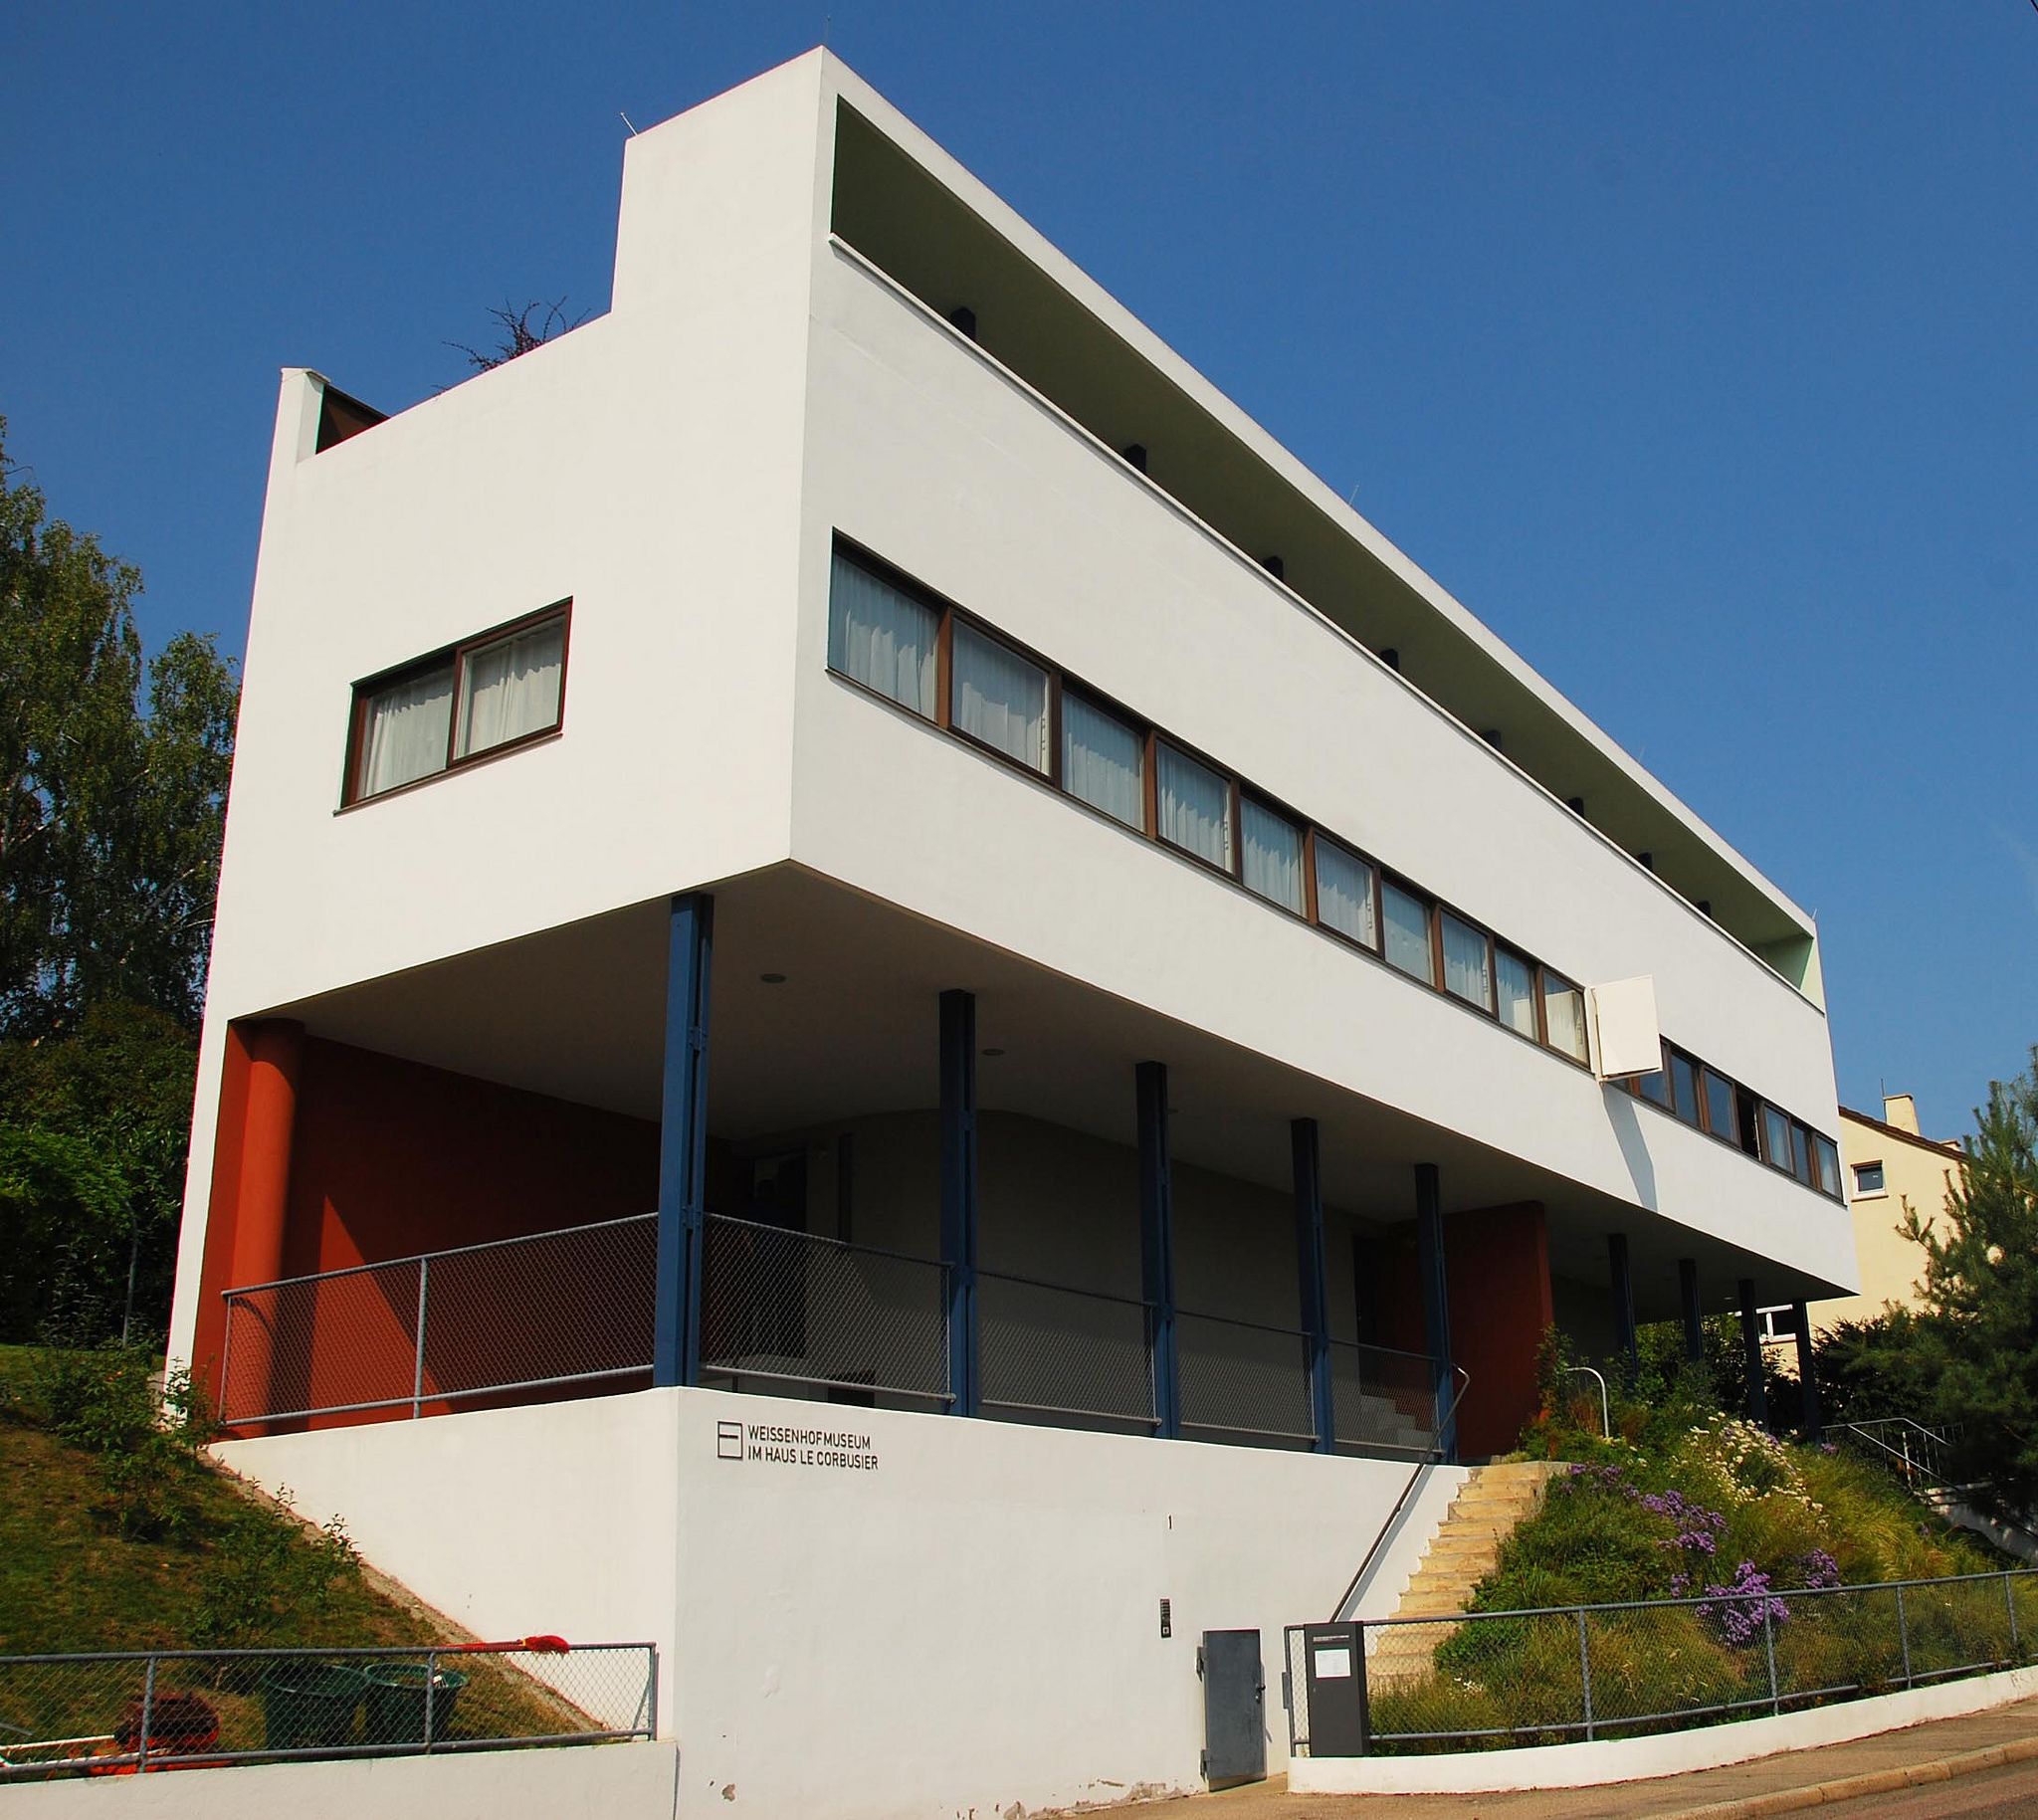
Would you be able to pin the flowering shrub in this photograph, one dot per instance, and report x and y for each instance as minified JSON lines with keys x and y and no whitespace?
{"x":1743,"y":1606}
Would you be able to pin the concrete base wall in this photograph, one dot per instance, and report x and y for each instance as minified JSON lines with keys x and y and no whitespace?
{"x":595,"y":1782}
{"x":866,"y":1612}
{"x":1671,"y":1754}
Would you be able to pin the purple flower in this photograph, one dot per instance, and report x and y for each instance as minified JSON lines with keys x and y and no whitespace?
{"x":1743,"y":1606}
{"x":1818,"y":1570}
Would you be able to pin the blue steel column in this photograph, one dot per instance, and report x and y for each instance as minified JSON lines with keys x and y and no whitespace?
{"x":1436,"y":1297}
{"x":1157,"y":1245}
{"x":682,"y":1142}
{"x":1752,"y":1355}
{"x":959,"y":1194}
{"x":1310,"y":1264}
{"x":1623,"y":1284}
{"x":1694,"y":1314}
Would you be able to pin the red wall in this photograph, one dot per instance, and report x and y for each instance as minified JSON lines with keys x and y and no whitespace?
{"x":390,"y":1159}
{"x":1497,"y":1267}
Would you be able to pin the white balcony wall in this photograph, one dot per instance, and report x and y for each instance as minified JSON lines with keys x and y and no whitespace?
{"x":923,"y":451}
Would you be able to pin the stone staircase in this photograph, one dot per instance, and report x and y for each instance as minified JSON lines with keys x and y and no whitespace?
{"x":1493,"y":1501}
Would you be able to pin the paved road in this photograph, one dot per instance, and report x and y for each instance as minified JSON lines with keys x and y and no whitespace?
{"x":2013,"y":1791}
{"x":1993,"y":1795}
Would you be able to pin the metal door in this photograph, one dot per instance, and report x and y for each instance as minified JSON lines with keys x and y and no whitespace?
{"x":1234,"y":1708}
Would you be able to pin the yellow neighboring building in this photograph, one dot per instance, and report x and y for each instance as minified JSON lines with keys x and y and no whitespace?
{"x":1887,"y":1163}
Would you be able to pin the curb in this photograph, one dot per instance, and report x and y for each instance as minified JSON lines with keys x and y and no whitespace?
{"x":1870,"y":1782}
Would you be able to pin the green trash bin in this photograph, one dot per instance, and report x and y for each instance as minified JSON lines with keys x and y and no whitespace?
{"x":396,"y":1695}
{"x":309,"y":1705}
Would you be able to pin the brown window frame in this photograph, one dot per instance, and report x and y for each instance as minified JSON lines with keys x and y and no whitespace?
{"x":455,"y":656}
{"x":1061,"y":683}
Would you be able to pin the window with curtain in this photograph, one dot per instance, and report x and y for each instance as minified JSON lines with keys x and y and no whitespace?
{"x":1345,"y":894}
{"x":1272,"y":856}
{"x":404,"y":729}
{"x":1563,"y":1017}
{"x":1468,"y":971}
{"x":1683,"y":1086}
{"x":1775,"y":1136}
{"x":1104,"y":761}
{"x":492,"y":691}
{"x":999,"y":697}
{"x":881,"y":637}
{"x":1801,"y":1153}
{"x":1407,"y":932}
{"x":511,"y":689}
{"x":1514,"y":991}
{"x":1827,"y":1155}
{"x":1195,"y":806}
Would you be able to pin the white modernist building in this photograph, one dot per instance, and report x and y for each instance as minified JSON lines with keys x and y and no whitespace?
{"x":892,"y":1006}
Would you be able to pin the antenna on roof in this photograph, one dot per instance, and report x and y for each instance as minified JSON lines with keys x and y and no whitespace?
{"x":625,"y":118}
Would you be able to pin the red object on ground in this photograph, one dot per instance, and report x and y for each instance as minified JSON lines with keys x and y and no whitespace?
{"x":538,"y":1646}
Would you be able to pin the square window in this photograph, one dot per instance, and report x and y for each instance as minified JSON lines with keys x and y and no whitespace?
{"x":881,"y":637}
{"x":1345,"y":894}
{"x":1407,"y":919}
{"x":1271,"y":864}
{"x":404,"y":729}
{"x":511,"y":689}
{"x":999,"y":698}
{"x":1103,"y":760}
{"x":1468,"y":966}
{"x":1684,"y":1086}
{"x":1514,"y":983}
{"x":1195,"y":806}
{"x":1867,"y":1179}
{"x":1776,"y":1138}
{"x":1563,"y":1017}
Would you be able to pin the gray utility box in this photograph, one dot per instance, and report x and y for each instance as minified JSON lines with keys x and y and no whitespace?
{"x":1234,"y":1708}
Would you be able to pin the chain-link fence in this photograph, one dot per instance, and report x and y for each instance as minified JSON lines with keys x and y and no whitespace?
{"x":1489,"y":1680}
{"x":786,"y":1308}
{"x":573,"y":1306}
{"x":122,"y":1715}
{"x":1382,"y":1400}
{"x":1242,"y":1382}
{"x":1047,"y":1350}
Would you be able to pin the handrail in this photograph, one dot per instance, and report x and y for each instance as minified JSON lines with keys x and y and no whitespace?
{"x":1922,"y":1459}
{"x":1433,"y":1456}
{"x":1606,"y":1414}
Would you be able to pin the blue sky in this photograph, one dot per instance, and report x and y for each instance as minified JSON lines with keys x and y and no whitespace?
{"x":1693,"y":348}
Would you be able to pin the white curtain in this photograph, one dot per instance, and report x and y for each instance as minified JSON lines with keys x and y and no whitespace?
{"x":1344,"y":891}
{"x":1516,"y":980}
{"x":1563,"y":1012}
{"x":1465,"y":968}
{"x":1000,"y":699}
{"x":1195,"y":807}
{"x":1104,"y":761}
{"x":1408,"y":933}
{"x":1272,"y":862}
{"x":880,"y":637}
{"x":405,"y":733}
{"x":511,"y":689}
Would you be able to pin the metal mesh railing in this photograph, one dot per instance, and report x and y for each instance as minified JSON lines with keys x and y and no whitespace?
{"x":1243,"y":1381}
{"x":571,"y":1306}
{"x":788,"y":1307}
{"x":1920,"y":1456}
{"x":1044,"y":1349}
{"x":1382,"y":1401}
{"x":129,"y":1714}
{"x":1482,"y":1679}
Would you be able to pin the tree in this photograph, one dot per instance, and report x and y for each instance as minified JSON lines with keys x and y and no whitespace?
{"x":113,"y":783}
{"x":113,"y":787}
{"x":1977,"y":1340}
{"x":519,"y":332}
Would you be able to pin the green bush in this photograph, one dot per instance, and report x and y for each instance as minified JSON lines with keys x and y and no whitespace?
{"x":268,"y":1579}
{"x":144,"y":1438}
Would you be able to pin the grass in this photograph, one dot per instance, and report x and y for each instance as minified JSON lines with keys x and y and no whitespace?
{"x":69,"y":1579}
{"x":87,"y":1565}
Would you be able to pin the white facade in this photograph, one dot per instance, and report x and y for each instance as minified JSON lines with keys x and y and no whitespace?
{"x":681,"y":470}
